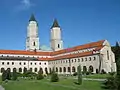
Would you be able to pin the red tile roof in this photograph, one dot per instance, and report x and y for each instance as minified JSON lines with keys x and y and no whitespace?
{"x":97,"y":45}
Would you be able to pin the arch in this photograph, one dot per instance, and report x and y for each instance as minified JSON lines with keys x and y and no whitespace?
{"x":73,"y":69}
{"x":56,"y":69}
{"x":20,"y":69}
{"x":64,"y":69}
{"x":24,"y":70}
{"x":30,"y":69}
{"x":69,"y":69}
{"x":14,"y":70}
{"x":50,"y":70}
{"x":8,"y":69}
{"x":2,"y":70}
{"x":41,"y":71}
{"x":97,"y":71}
{"x":35,"y":70}
{"x":46,"y":71}
{"x":84,"y":69}
{"x":90,"y":69}
{"x":60,"y":69}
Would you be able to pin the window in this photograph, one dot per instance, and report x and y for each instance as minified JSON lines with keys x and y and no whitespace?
{"x":69,"y":69}
{"x":107,"y":54}
{"x":82,"y":59}
{"x":94,"y":58}
{"x":2,"y":63}
{"x":73,"y":69}
{"x":58,"y":45}
{"x":35,"y":63}
{"x":89,"y":58}
{"x":24,"y":63}
{"x":85,"y":59}
{"x":78,"y":60}
{"x":31,"y":63}
{"x":40,"y":63}
{"x":64,"y":69}
{"x":12,"y":63}
{"x":35,"y":69}
{"x":45,"y":63}
{"x":20,"y":63}
{"x":33,"y":43}
{"x":7,"y":63}
{"x":60,"y":69}
{"x":20,"y":69}
{"x":56,"y":69}
{"x":75,"y":60}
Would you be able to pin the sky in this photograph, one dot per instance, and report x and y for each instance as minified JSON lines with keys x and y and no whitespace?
{"x":81,"y":21}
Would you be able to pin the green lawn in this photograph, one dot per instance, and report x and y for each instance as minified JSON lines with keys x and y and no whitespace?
{"x":63,"y":84}
{"x":97,"y":76}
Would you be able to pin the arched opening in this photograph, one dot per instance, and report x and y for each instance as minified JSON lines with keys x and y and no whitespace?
{"x":60,"y":69}
{"x":90,"y":68}
{"x":14,"y":70}
{"x":2,"y":70}
{"x":8,"y":69}
{"x":50,"y":70}
{"x":58,"y":45}
{"x":20,"y":69}
{"x":46,"y":71}
{"x":64,"y":69}
{"x":56,"y":69}
{"x":30,"y":69}
{"x":41,"y":71}
{"x":35,"y":69}
{"x":73,"y":69}
{"x":33,"y":43}
{"x":97,"y":71}
{"x":69,"y":69}
{"x":84,"y":69}
{"x":24,"y":70}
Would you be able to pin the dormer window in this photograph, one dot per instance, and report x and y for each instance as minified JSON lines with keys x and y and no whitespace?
{"x":33,"y":43}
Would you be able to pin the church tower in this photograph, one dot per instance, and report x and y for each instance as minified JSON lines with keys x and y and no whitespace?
{"x":56,"y":42}
{"x":32,"y":41}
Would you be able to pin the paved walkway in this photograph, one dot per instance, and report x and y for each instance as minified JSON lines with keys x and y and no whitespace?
{"x":1,"y":88}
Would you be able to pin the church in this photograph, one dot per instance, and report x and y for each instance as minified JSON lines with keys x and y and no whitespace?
{"x":95,"y":56}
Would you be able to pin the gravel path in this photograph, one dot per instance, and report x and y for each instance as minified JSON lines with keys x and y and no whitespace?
{"x":1,"y":88}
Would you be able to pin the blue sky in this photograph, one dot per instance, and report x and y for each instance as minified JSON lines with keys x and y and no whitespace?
{"x":82,"y":21}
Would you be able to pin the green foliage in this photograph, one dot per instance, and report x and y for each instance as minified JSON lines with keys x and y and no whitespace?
{"x":14,"y":75}
{"x":54,"y":76}
{"x":75,"y":74}
{"x":4,"y":75}
{"x":40,"y":75}
{"x":79,"y":75}
{"x":110,"y":83}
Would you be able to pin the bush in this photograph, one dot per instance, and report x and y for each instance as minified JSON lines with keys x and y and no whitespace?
{"x":54,"y":77}
{"x":87,"y":73}
{"x":103,"y":71}
{"x":75,"y":74}
{"x":40,"y":76}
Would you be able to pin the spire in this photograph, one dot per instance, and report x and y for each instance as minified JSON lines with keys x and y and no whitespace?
{"x":55,"y":24}
{"x":32,"y":18}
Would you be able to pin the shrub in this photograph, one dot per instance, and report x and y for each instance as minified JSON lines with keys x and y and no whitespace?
{"x":54,"y":76}
{"x":40,"y":76}
{"x":75,"y":74}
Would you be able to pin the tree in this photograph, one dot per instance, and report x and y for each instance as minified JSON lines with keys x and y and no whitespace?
{"x":14,"y":75}
{"x":40,"y":74}
{"x":79,"y":75}
{"x":8,"y":74}
{"x":117,"y":60}
{"x":54,"y":76}
{"x":4,"y":75}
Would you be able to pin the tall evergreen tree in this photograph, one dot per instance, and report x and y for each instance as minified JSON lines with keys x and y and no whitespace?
{"x":79,"y":75}
{"x":54,"y":76}
{"x":14,"y":75}
{"x":117,"y":60}
{"x":4,"y":75}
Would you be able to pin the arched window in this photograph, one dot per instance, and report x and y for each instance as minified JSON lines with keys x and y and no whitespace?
{"x":33,"y":43}
{"x":64,"y":69}
{"x":35,"y":69}
{"x":25,"y":70}
{"x":20,"y":69}
{"x":84,"y":69}
{"x":58,"y":45}
{"x":41,"y":70}
{"x":14,"y":70}
{"x":56,"y":69}
{"x":69,"y":69}
{"x":73,"y":69}
{"x":8,"y":69}
{"x":60,"y":69}
{"x":46,"y":71}
{"x":90,"y":68}
{"x":50,"y":70}
{"x":30,"y":69}
{"x":2,"y":70}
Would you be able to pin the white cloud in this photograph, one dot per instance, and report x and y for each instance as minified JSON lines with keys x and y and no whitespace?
{"x":24,"y":5}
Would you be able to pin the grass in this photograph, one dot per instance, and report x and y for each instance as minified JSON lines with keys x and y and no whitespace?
{"x":97,"y":76}
{"x":63,"y":84}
